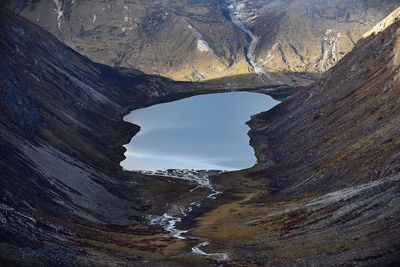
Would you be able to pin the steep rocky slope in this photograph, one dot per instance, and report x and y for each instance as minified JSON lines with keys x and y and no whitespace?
{"x":293,"y":41}
{"x":61,"y":143}
{"x":307,"y":35}
{"x":326,"y":188}
{"x":348,"y":118}
{"x":185,"y":40}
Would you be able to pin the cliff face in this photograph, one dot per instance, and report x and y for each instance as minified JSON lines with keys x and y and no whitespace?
{"x":342,"y":130}
{"x":197,"y":40}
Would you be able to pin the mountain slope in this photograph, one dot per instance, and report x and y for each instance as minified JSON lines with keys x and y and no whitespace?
{"x":308,"y":35}
{"x":180,"y":39}
{"x":65,"y":200}
{"x":348,"y":118}
{"x":325,"y":190}
{"x":293,"y":41}
{"x":61,"y":143}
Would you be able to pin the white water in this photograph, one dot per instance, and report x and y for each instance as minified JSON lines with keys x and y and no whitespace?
{"x":169,"y":220}
{"x":218,"y":256}
{"x":237,"y":14}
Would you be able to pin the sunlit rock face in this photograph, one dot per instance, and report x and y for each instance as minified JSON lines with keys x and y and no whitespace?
{"x":202,"y":39}
{"x":308,"y":35}
{"x":173,"y":38}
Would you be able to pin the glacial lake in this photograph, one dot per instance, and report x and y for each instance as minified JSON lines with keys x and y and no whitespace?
{"x":201,"y":132}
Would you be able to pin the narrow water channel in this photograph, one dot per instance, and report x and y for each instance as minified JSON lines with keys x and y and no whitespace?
{"x":185,"y":139}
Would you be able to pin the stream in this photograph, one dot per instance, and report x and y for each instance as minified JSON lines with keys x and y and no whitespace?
{"x":181,"y":139}
{"x":236,"y":10}
{"x":169,"y":221}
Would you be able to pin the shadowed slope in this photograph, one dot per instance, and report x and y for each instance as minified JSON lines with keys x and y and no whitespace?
{"x":326,"y":188}
{"x":342,"y":130}
{"x":61,"y":128}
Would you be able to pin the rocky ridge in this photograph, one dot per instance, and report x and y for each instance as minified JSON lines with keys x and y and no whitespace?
{"x":179,"y":39}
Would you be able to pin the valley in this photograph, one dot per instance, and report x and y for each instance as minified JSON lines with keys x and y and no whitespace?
{"x":324,"y":189}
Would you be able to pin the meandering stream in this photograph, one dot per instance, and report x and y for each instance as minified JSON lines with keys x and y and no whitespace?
{"x":180,"y":138}
{"x":169,"y":221}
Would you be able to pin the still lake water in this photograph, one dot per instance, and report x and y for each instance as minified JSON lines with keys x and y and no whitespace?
{"x":200,"y":132}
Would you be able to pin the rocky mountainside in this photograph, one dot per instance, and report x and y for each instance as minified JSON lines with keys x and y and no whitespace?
{"x":290,"y":40}
{"x":348,"y":118}
{"x":180,"y":39}
{"x":61,"y":143}
{"x":325,"y":190}
{"x":307,"y":35}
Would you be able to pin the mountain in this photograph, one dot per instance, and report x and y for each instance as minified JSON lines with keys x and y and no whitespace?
{"x":180,"y":39}
{"x":282,"y":41}
{"x":325,"y":190}
{"x":61,"y":144}
{"x":345,"y":119}
{"x":307,"y":35}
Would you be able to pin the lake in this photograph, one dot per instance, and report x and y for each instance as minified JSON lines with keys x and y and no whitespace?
{"x":206,"y":132}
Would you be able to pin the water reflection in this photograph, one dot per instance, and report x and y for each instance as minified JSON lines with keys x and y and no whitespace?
{"x":200,"y":132}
